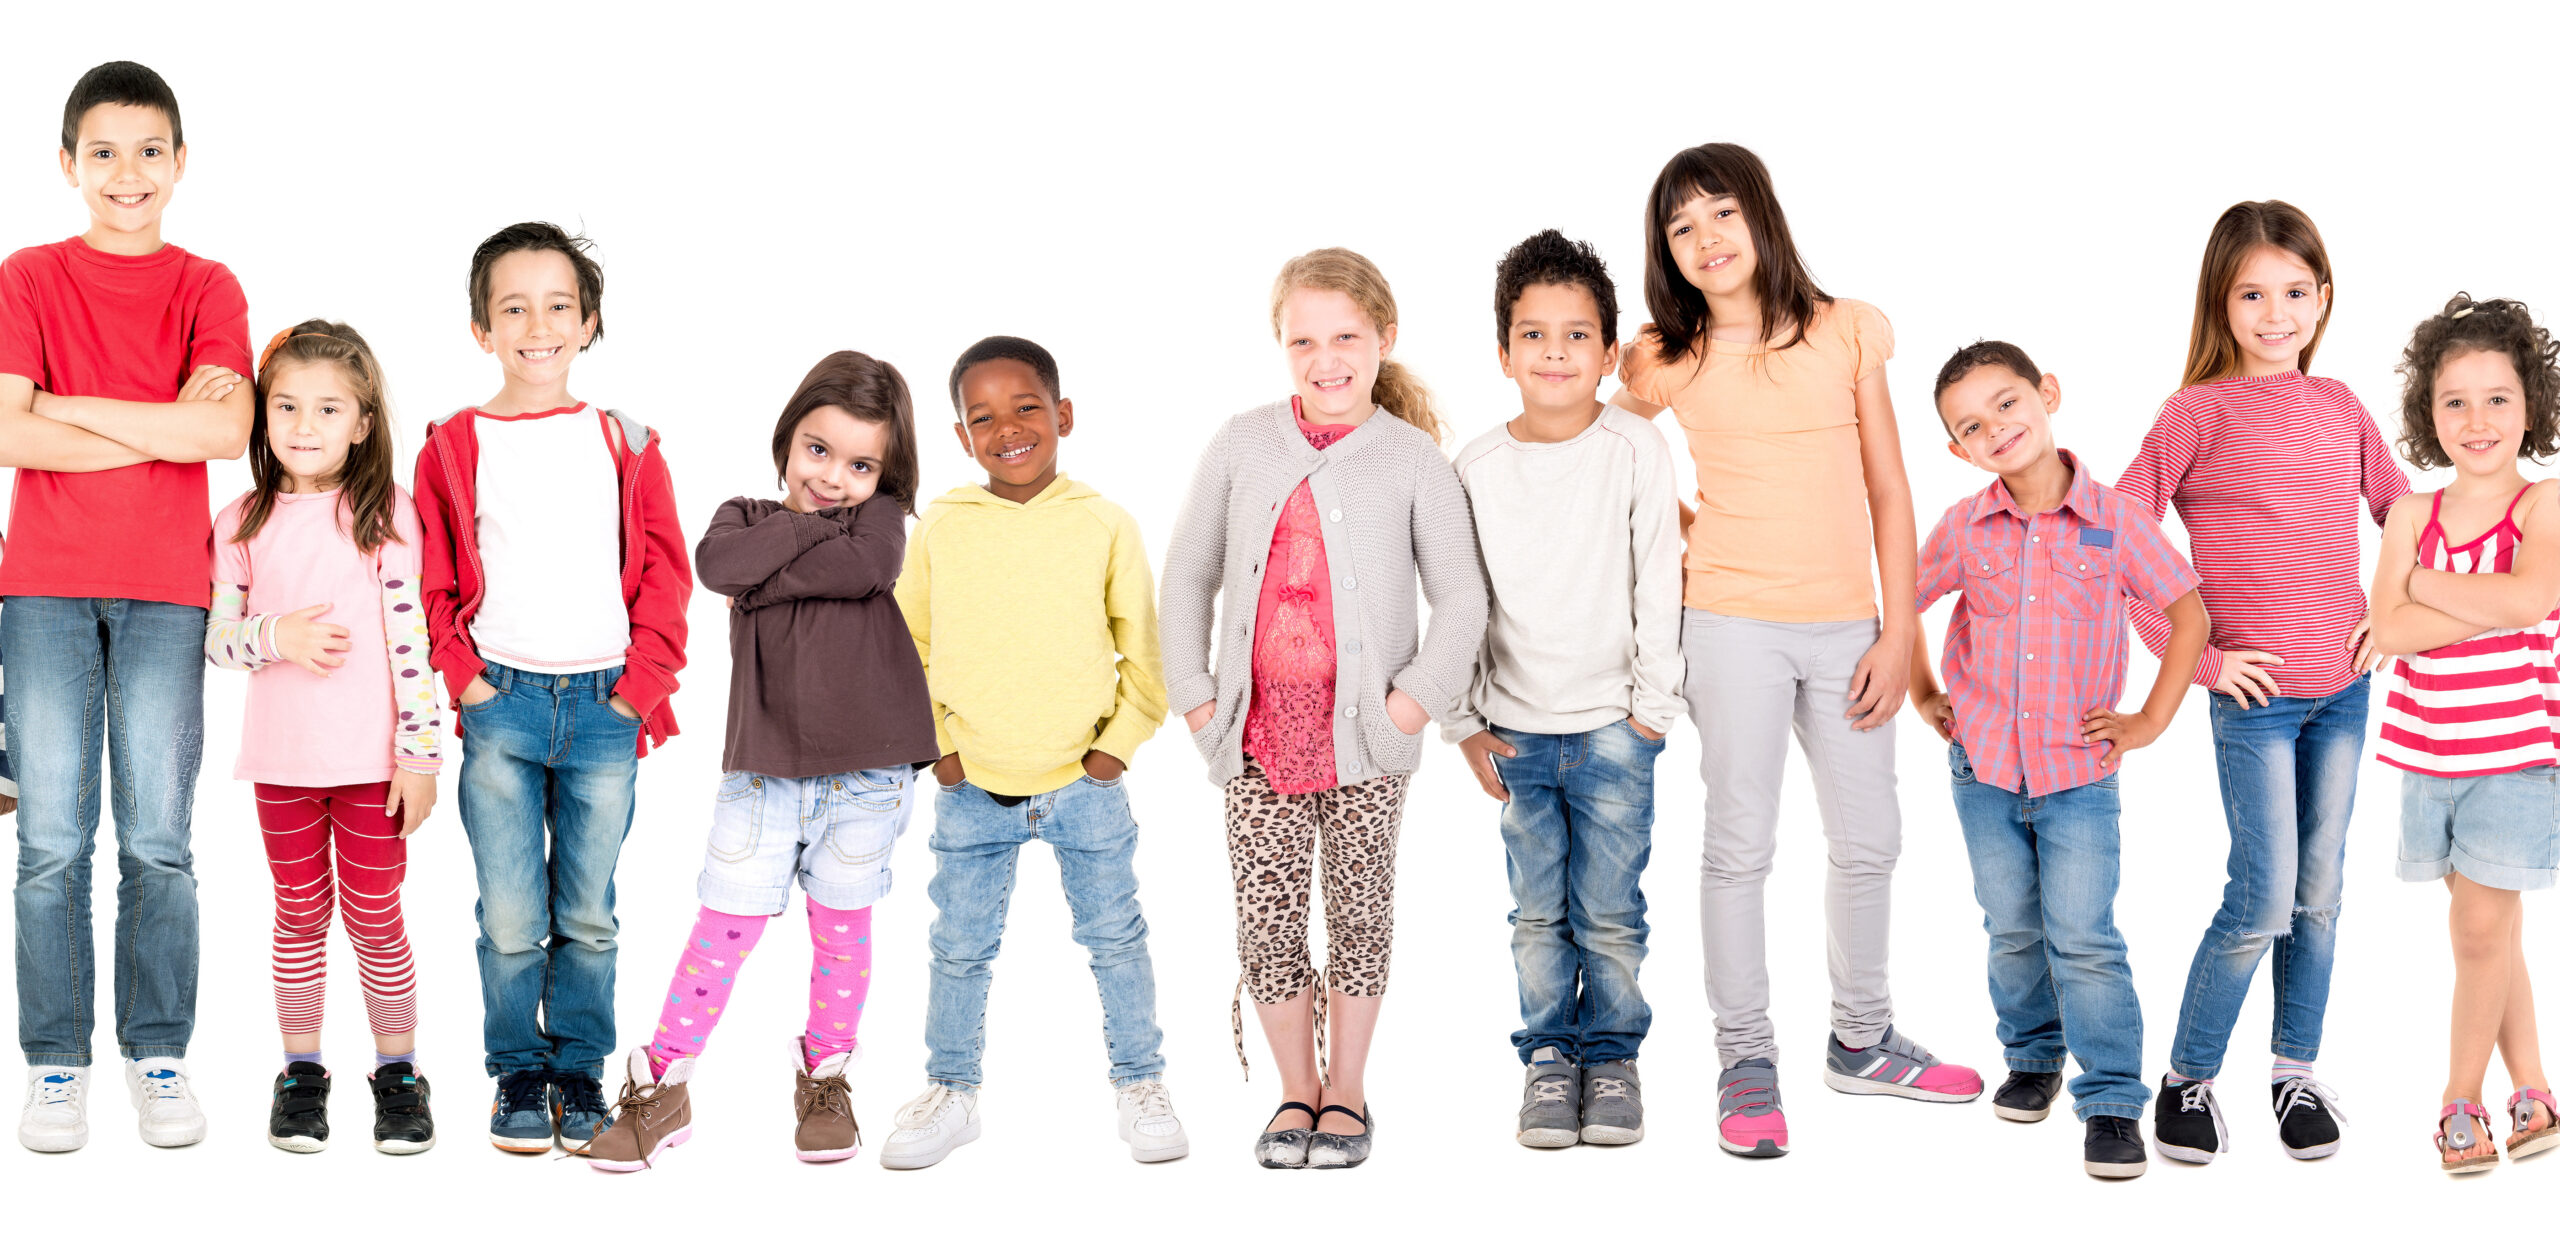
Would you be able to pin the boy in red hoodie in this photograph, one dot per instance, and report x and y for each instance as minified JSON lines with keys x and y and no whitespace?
{"x":555,"y":580}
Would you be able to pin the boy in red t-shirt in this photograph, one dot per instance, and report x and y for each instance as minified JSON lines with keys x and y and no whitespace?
{"x":122,"y":369}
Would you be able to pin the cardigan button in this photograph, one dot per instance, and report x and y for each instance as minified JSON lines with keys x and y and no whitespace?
{"x":1351,"y":711}
{"x":1335,"y":516}
{"x":1349,"y":582}
{"x":1352,"y":648}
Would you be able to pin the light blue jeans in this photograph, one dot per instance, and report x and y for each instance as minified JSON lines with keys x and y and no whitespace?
{"x":548,"y":770}
{"x":2045,"y":870}
{"x":2288,"y":787}
{"x":1577,"y":833}
{"x":976,"y":842}
{"x":118,"y":683}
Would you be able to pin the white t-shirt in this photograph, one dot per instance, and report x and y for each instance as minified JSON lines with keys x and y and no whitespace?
{"x":549,"y":496}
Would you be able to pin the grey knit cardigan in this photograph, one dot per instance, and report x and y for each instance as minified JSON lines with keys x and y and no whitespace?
{"x":1391,"y":508}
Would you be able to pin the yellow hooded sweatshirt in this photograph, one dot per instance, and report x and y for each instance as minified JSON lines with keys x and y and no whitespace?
{"x":1037,"y":626}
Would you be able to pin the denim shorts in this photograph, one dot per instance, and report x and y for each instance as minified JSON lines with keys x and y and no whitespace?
{"x":832,"y":832}
{"x":2499,"y":830}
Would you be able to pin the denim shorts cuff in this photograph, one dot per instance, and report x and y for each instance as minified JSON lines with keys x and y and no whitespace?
{"x":2035,"y":1065}
{"x":2107,"y":1109}
{"x":845,"y":895}
{"x":2424,"y":871}
{"x":136,"y":1052}
{"x":745,"y":900}
{"x":60,"y":1059}
{"x":2493,"y":875}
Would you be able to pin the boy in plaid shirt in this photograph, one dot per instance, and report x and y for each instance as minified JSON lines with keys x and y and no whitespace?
{"x":2045,"y":559}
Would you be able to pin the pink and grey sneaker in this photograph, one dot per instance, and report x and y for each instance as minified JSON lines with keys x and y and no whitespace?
{"x":1749,"y":1121}
{"x":1897,"y":1066}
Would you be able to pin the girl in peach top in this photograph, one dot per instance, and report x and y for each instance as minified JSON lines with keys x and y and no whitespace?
{"x":1780,"y":389}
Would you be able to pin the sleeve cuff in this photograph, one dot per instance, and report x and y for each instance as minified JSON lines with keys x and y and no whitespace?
{"x":2209,"y":667}
{"x":1434,"y":700}
{"x":1122,"y":736}
{"x":1190,"y":692}
{"x":1460,"y":726}
{"x":942,"y":741}
{"x":428,"y":766}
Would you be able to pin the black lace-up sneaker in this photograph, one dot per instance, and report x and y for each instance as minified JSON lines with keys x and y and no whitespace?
{"x":298,"y":1118}
{"x":580,"y":1111}
{"x":401,"y":1121}
{"x":2027,"y":1095}
{"x":2112,"y":1148}
{"x":2307,"y":1118}
{"x":2188,"y":1122}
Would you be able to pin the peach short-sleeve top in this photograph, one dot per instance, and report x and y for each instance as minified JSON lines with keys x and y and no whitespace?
{"x":1782,"y":533}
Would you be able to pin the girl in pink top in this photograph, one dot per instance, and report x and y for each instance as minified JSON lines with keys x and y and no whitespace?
{"x":2273,"y":472}
{"x":316,"y":568}
{"x":2470,"y":710}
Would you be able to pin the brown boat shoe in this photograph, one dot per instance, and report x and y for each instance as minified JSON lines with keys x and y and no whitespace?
{"x":651,"y":1116}
{"x":828,"y":1132}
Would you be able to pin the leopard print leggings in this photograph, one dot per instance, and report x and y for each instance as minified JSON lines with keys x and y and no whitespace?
{"x":1272,"y":842}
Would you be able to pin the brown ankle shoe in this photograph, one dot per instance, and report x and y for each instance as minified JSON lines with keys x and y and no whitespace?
{"x":827,"y":1132}
{"x":651,"y":1116}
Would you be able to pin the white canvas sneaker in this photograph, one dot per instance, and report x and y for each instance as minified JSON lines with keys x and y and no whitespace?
{"x":1148,"y":1123}
{"x":56,"y":1117}
{"x":930,"y":1126}
{"x":170,"y":1115}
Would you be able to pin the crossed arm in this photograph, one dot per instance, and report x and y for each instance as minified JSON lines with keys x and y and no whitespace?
{"x":209,"y":421}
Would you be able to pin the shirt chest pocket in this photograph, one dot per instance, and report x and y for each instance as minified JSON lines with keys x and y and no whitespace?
{"x":1991,"y":581}
{"x":2084,"y":581}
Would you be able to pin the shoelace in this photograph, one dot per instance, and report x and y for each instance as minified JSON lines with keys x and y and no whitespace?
{"x":1606,"y":1087}
{"x":52,"y":1091}
{"x":1150,"y":1098}
{"x":923,"y":1110}
{"x":579,"y":1093}
{"x":164,"y":1085}
{"x":2301,"y":1093}
{"x":523,"y":1090}
{"x":2198,"y":1099}
{"x":634,"y":1100}
{"x":831,"y":1093}
{"x":1551,"y":1087}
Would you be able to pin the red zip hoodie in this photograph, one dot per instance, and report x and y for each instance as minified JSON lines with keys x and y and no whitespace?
{"x":656,"y":577}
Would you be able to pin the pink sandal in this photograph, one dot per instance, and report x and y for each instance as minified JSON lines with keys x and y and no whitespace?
{"x":2523,"y":1140}
{"x":2460,"y":1138}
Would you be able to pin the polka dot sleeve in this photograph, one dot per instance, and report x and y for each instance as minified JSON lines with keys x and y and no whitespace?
{"x":417,"y":732}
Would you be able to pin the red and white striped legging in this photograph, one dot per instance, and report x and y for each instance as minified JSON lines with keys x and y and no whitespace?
{"x":302,"y":825}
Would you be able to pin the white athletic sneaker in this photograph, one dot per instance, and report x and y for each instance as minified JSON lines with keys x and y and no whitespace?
{"x":170,"y":1115}
{"x":1148,"y":1123}
{"x":56,"y":1118}
{"x":930,"y":1126}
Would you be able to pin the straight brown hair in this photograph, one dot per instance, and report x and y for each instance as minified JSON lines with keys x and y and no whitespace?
{"x":369,"y":482}
{"x":1788,"y":295}
{"x":872,"y":390}
{"x":2213,"y":353}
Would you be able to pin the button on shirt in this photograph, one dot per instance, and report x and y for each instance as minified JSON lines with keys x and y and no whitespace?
{"x":2039,"y":635}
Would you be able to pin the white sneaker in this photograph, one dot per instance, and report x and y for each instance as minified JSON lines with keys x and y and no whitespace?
{"x":1148,"y":1123}
{"x":170,"y":1115}
{"x":56,"y":1119}
{"x":930,"y":1126}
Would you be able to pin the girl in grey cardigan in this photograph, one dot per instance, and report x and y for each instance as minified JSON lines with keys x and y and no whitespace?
{"x":1315,"y":518}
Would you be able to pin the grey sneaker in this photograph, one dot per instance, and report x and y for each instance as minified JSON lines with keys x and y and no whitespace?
{"x":1612,"y":1103}
{"x":1897,"y":1066}
{"x":1749,"y":1120}
{"x":1551,"y":1102}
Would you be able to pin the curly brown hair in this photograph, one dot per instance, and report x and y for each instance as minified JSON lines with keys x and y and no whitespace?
{"x":2468,"y":325}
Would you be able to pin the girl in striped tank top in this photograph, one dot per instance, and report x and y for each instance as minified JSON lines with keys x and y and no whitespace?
{"x":2470,"y":712}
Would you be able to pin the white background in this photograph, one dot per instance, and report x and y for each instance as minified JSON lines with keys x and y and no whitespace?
{"x":1121,"y":186}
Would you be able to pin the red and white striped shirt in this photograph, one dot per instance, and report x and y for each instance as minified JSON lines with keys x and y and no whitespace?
{"x":2483,"y":706}
{"x":2266,"y":473}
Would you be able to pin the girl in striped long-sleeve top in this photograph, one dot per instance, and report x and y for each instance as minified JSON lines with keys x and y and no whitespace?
{"x":2472,"y":690}
{"x":2270,"y":469}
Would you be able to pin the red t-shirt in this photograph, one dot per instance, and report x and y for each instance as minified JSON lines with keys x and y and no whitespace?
{"x":80,"y":322}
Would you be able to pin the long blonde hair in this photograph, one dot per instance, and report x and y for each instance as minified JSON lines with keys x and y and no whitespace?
{"x":1341,"y":270}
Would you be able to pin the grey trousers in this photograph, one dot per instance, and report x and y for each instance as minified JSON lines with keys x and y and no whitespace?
{"x":1748,"y":682}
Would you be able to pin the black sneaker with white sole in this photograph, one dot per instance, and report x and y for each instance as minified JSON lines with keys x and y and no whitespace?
{"x":298,"y":1115}
{"x":2307,"y":1117}
{"x":2188,"y":1122}
{"x":402,"y":1123}
{"x":2111,"y":1148}
{"x":2027,"y":1095}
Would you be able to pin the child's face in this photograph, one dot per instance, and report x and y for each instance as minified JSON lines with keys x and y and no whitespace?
{"x":126,"y":166}
{"x":2479,"y":411}
{"x":835,"y":460}
{"x":1998,"y":421}
{"x":1011,"y":425}
{"x":1334,"y":352}
{"x":2275,"y":307}
{"x":535,"y":325}
{"x":1555,"y":351}
{"x":1712,"y":245}
{"x":313,"y":421}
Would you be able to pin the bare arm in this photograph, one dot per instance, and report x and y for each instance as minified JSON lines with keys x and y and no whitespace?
{"x":2515,"y":600}
{"x":209,"y":421}
{"x":2189,"y":625}
{"x":32,"y":442}
{"x":2402,"y":626}
{"x":1876,"y":691}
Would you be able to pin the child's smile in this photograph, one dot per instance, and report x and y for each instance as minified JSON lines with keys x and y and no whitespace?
{"x":1011,"y":426}
{"x":1335,"y":354}
{"x":125,"y":167}
{"x":2275,"y":306}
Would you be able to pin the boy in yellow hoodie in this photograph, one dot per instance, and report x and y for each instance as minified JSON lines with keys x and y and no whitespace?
{"x":1034,"y":611}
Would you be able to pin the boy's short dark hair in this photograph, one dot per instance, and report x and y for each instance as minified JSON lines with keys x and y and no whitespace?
{"x":1005,"y":348}
{"x":1549,"y":257}
{"x":119,"y":82}
{"x":1980,"y":353}
{"x":540,"y":237}
{"x":871,"y":390}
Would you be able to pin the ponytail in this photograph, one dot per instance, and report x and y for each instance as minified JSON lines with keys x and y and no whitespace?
{"x":1400,"y":393}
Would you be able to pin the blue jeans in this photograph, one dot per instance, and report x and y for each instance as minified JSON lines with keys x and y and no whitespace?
{"x":2045,"y":870}
{"x":2288,"y":786}
{"x":547,"y":761}
{"x":1577,"y":834}
{"x":123,"y":680}
{"x":975,"y":844}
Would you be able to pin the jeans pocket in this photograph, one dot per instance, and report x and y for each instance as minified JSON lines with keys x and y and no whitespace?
{"x":1958,"y":764}
{"x":880,"y":791}
{"x":1106,"y":783}
{"x":737,"y":816}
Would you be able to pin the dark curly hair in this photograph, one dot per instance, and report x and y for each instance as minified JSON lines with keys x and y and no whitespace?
{"x":1549,"y":257}
{"x":2468,"y":325}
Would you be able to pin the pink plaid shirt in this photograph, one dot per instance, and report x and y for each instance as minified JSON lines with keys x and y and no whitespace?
{"x":2038,"y":638}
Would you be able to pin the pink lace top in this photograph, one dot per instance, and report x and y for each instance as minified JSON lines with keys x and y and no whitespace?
{"x":1288,"y":727}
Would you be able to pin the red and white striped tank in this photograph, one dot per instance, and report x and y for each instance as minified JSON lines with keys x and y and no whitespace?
{"x":2485,"y":705}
